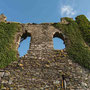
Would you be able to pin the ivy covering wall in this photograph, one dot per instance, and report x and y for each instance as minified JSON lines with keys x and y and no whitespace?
{"x":7,"y":45}
{"x":78,"y":34}
{"x":84,"y":26}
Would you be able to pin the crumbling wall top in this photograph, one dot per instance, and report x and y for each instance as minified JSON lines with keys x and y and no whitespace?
{"x":3,"y":18}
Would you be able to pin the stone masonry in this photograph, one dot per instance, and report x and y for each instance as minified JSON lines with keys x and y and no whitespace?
{"x":43,"y":68}
{"x":3,"y":18}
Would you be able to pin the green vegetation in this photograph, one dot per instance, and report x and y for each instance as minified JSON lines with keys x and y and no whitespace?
{"x":84,"y":26}
{"x":76,"y":48}
{"x":77,"y":43}
{"x":7,"y":46}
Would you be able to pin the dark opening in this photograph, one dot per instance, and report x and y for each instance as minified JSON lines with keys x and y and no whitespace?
{"x":58,"y":41}
{"x":24,"y":44}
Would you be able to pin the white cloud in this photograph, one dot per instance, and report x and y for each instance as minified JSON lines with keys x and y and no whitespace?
{"x":67,"y":11}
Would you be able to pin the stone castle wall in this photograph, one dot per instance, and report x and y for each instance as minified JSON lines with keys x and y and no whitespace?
{"x":43,"y":68}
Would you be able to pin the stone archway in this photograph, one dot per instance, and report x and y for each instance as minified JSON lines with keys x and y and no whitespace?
{"x":58,"y":41}
{"x":24,"y":43}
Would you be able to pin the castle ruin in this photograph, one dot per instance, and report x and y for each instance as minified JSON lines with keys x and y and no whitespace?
{"x":43,"y":68}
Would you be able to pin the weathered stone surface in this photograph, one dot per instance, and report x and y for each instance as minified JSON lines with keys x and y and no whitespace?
{"x":43,"y":68}
{"x":1,"y":74}
{"x":4,"y":81}
{"x":7,"y":73}
{"x":2,"y":18}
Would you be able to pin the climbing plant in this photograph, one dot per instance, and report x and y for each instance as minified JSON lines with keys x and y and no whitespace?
{"x":76,"y":48}
{"x":84,"y":26}
{"x":7,"y":46}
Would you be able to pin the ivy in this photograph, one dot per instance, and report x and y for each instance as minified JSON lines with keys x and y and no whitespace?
{"x":76,"y":48}
{"x":7,"y":53}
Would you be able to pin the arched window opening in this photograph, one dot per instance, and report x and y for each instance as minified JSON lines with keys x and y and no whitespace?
{"x":58,"y":41}
{"x":24,"y":44}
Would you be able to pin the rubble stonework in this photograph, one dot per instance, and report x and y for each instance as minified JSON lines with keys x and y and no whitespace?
{"x":43,"y":68}
{"x":2,"y":18}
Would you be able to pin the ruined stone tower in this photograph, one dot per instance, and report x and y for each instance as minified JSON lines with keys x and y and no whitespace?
{"x":44,"y":68}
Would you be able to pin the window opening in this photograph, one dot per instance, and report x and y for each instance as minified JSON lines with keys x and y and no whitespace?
{"x":24,"y":44}
{"x":58,"y":41}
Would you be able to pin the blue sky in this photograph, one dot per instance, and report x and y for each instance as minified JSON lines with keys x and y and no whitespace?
{"x":39,"y":11}
{"x":24,"y":46}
